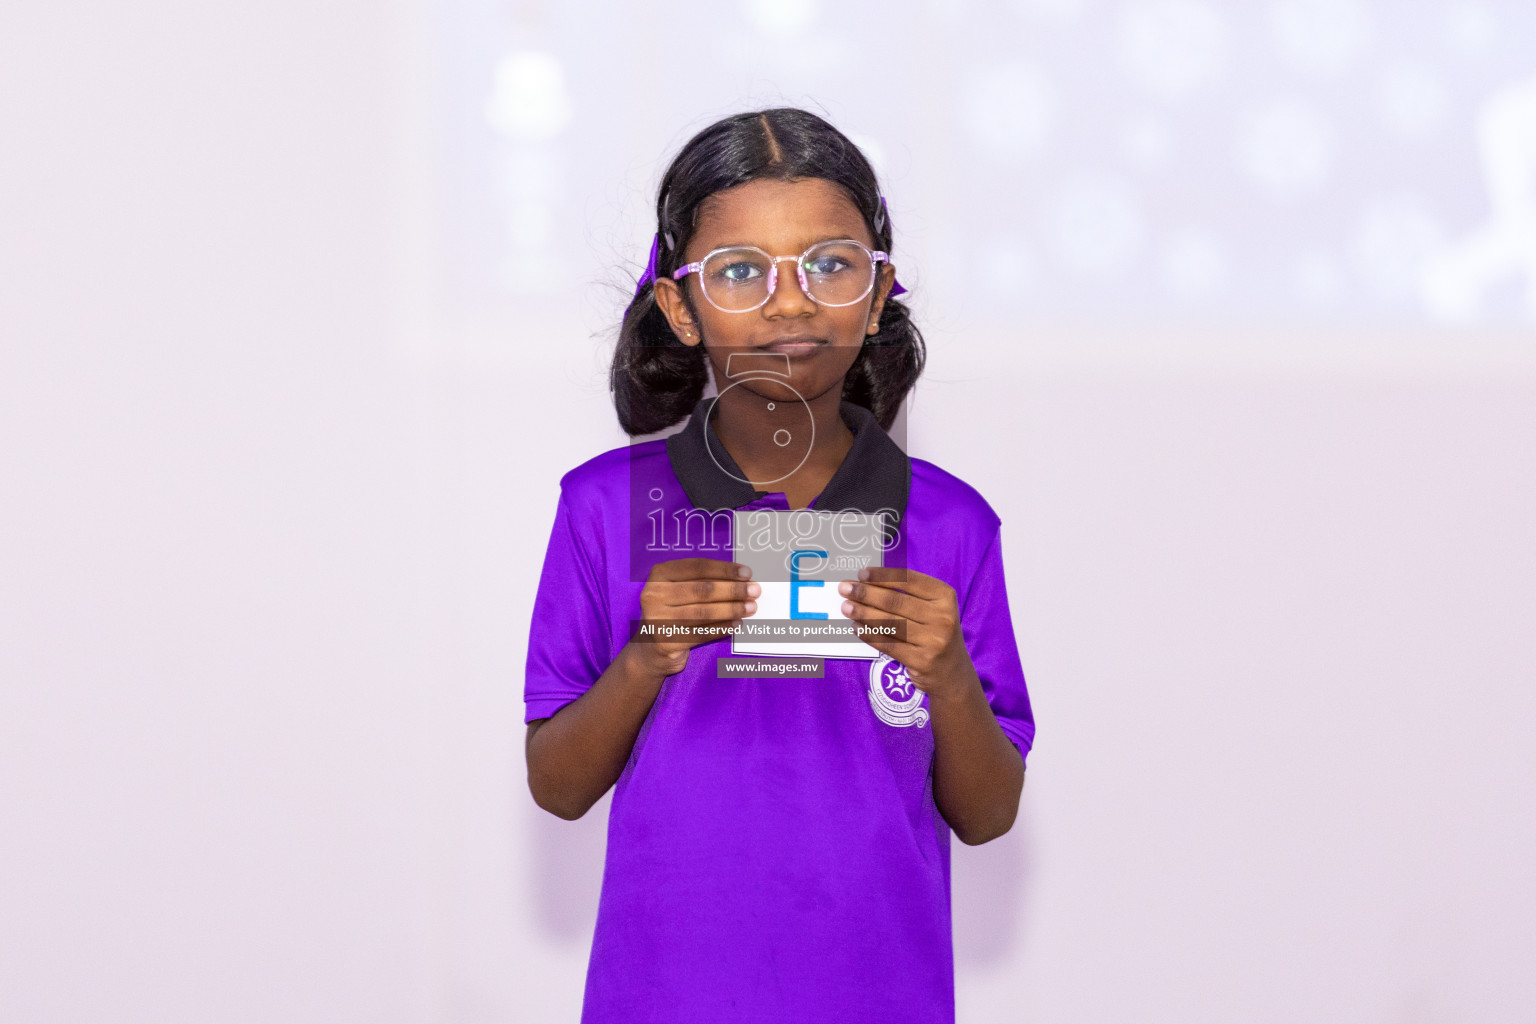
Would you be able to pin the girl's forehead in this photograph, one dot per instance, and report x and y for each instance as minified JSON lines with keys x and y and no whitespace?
{"x":775,"y":214}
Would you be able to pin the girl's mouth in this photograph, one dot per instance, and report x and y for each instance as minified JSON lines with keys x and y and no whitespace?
{"x":796,"y":345}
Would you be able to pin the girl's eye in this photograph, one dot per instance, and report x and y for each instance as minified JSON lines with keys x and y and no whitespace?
{"x":824,"y":265}
{"x":736,"y":273}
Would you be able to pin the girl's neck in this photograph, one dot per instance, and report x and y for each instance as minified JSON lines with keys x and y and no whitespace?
{"x":747,"y":426}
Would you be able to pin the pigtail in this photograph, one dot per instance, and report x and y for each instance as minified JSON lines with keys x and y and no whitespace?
{"x":656,"y":380}
{"x":888,"y":365}
{"x":892,"y":359}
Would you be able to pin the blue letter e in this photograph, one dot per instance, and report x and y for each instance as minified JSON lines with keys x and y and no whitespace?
{"x":795,"y":583}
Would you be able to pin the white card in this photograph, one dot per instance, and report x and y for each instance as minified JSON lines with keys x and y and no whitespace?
{"x":798,"y":557}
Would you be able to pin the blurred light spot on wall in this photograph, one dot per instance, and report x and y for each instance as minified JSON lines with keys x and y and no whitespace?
{"x":1319,"y":278}
{"x":531,"y":171}
{"x":1172,"y":47}
{"x":1147,"y":144}
{"x":1286,"y":148}
{"x":1391,"y":239}
{"x":1413,"y":101}
{"x":1455,"y":281}
{"x":1471,"y":29}
{"x":1319,"y":37}
{"x":780,"y":17}
{"x":1053,"y":10}
{"x":530,"y":107}
{"x":1008,"y":109}
{"x":1099,"y":226}
{"x":1193,"y":262}
{"x":529,"y":102}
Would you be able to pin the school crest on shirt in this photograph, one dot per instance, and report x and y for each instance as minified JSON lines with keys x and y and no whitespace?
{"x":893,"y":695}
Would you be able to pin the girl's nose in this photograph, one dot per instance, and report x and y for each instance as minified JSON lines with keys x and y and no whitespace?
{"x":787,"y":297}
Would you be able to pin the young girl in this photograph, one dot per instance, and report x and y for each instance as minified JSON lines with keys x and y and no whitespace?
{"x":778,"y":848}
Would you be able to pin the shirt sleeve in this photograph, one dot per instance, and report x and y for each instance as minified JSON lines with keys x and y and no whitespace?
{"x":568,"y":642}
{"x":987,"y":626}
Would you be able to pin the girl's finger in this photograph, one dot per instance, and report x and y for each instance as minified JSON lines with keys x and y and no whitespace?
{"x":896,"y":650}
{"x":863,"y":615}
{"x":700,"y":569}
{"x":714,"y":610}
{"x":892,"y":602}
{"x":689,"y":592}
{"x":705,"y":632}
{"x":898,"y":578}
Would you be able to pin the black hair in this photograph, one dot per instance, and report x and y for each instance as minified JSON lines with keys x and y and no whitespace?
{"x":657,"y":380}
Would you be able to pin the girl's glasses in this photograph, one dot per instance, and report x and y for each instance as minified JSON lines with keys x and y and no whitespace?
{"x":739,"y":278}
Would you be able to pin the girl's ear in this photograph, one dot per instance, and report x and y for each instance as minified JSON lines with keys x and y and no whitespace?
{"x":669,"y":296}
{"x":882,"y":291}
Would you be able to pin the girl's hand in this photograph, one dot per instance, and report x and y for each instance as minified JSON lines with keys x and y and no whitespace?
{"x":707,"y":594}
{"x":934,"y":650}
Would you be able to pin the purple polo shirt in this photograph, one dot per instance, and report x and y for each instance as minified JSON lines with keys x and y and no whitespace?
{"x":774,"y":850}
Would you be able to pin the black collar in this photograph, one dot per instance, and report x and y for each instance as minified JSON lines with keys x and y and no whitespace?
{"x":875,"y":475}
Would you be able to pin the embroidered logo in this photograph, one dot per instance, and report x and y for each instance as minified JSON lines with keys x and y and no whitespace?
{"x":893,"y":695}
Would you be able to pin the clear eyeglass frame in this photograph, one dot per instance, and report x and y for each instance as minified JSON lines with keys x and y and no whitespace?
{"x":875,"y":259}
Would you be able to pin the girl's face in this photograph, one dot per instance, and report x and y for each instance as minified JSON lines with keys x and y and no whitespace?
{"x":783,"y":218}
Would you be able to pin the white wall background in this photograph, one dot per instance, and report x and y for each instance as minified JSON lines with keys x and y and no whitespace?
{"x":281,"y":424}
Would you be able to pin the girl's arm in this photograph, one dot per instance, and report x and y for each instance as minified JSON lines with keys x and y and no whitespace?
{"x":978,"y":773}
{"x":578,"y":753}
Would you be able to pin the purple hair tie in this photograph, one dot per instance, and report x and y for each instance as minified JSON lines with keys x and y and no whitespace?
{"x":650,"y":267}
{"x":649,"y":276}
